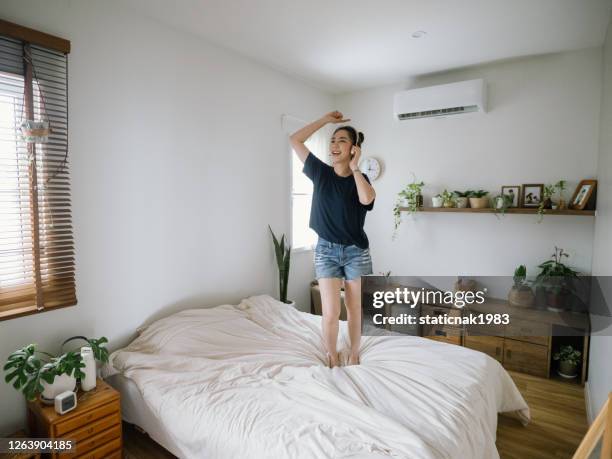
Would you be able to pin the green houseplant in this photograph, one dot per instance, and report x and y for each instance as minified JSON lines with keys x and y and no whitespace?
{"x":555,"y":280}
{"x":502,"y":203}
{"x":521,"y":294}
{"x":461,"y":199}
{"x":410,"y":199}
{"x":448,"y":199}
{"x":30,"y":370}
{"x":478,"y":199}
{"x":569,"y":361}
{"x":283,"y":261}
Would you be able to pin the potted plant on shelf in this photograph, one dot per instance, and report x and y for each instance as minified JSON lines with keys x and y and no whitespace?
{"x":569,"y":361}
{"x":560,"y":186}
{"x":437,"y":201}
{"x":283,"y":261}
{"x":555,"y":281}
{"x":461,"y":199}
{"x":502,"y":202}
{"x":410,"y":199}
{"x":35,"y":372}
{"x":447,"y":199}
{"x":520,"y":294}
{"x":478,"y":199}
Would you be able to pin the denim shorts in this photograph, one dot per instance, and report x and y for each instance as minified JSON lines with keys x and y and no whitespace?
{"x":343,"y":261}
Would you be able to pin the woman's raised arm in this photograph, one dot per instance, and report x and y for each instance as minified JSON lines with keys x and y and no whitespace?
{"x":298,"y":138}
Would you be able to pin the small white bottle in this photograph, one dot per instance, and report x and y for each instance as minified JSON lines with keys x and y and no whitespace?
{"x":89,"y":381}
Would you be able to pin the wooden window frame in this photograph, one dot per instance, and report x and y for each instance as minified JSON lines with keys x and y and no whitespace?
{"x":32,"y":37}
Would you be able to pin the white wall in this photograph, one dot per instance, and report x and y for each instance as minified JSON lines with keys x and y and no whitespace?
{"x":600,"y":372}
{"x":542,"y":126}
{"x":178,"y":164}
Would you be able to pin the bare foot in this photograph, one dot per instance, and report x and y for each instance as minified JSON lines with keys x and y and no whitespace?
{"x":333,"y":361}
{"x":353,"y":359}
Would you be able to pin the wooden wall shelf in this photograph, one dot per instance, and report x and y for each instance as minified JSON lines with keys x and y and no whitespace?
{"x":513,"y":210}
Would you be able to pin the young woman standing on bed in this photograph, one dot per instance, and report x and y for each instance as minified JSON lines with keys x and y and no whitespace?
{"x":341,"y":197}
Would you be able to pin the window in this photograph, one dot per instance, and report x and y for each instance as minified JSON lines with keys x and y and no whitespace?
{"x":302,"y":237}
{"x":36,"y":243}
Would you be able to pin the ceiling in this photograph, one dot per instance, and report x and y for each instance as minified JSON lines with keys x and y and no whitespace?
{"x":345,"y":45}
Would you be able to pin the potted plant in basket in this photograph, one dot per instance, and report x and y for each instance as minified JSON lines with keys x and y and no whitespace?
{"x":35,"y":372}
{"x":520,"y":294}
{"x":478,"y":199}
{"x":283,"y":261}
{"x":461,"y":199}
{"x":569,"y":361}
{"x":410,"y":200}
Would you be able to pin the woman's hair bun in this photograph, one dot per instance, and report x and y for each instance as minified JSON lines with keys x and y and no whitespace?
{"x":360,"y":138}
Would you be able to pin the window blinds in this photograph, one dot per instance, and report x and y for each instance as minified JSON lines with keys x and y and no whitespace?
{"x":36,"y":242}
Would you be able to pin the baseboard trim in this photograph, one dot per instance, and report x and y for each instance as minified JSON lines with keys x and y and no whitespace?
{"x":587,"y":401}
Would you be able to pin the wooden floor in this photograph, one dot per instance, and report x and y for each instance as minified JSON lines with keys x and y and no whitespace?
{"x":557,"y":426}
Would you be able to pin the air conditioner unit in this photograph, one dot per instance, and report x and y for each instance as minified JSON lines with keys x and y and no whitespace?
{"x":441,"y":100}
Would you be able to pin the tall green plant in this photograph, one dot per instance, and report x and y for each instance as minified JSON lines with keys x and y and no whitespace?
{"x":411,"y":194}
{"x":283,"y":260}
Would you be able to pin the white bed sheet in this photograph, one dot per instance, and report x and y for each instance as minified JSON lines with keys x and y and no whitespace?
{"x":250,"y":381}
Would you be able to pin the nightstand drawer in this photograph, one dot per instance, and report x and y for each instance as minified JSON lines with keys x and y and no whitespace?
{"x":526,"y":357}
{"x":90,"y":443}
{"x":86,"y":418}
{"x":94,"y":428}
{"x":529,"y":331}
{"x":110,"y":449}
{"x":491,"y":345}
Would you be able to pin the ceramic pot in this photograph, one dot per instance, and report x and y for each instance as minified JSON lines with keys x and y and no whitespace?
{"x":479,"y":203}
{"x":567,"y":369}
{"x":437,"y":201}
{"x":461,"y":203}
{"x":60,"y":384}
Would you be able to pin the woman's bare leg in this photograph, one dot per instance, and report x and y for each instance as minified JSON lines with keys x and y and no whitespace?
{"x":352,"y":298}
{"x":330,"y":305}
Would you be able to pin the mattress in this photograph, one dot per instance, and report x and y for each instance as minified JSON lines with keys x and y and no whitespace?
{"x":135,"y":411}
{"x":250,"y":380}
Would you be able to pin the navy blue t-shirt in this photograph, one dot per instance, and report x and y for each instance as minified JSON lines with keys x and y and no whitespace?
{"x":336,"y":213}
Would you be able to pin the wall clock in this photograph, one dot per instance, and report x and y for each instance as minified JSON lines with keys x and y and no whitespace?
{"x":370,"y":166}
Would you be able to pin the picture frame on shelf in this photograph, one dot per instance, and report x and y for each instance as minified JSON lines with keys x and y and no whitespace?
{"x":583,"y":194}
{"x":532,"y":195}
{"x":514,"y":191}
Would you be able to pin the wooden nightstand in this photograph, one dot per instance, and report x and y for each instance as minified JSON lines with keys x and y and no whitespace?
{"x":95,"y":424}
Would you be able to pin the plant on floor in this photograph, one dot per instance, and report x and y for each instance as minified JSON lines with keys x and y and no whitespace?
{"x":283,"y":260}
{"x":412,"y":198}
{"x":27,"y":368}
{"x":569,"y":360}
{"x":448,"y":199}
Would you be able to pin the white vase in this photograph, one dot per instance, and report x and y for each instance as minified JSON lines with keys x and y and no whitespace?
{"x":437,"y":201}
{"x":61,"y":383}
{"x":88,"y":382}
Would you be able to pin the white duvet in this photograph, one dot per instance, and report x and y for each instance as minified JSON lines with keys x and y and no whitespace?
{"x":249,"y":381}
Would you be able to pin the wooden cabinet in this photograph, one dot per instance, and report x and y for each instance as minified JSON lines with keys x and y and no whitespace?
{"x":526,"y":357}
{"x":491,"y":345}
{"x":94,"y":425}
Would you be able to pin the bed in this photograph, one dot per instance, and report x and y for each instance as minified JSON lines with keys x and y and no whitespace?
{"x":250,"y":380}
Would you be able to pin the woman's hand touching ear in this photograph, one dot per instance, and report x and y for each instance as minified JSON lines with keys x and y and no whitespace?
{"x":335,"y":117}
{"x":356,"y":156}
